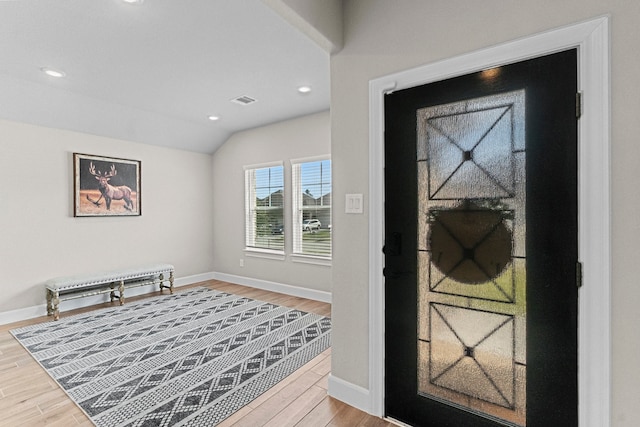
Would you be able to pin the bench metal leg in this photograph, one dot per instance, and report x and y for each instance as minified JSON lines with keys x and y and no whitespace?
{"x":162,"y":285}
{"x":49,"y":302}
{"x":55,"y":303}
{"x":121,"y":290}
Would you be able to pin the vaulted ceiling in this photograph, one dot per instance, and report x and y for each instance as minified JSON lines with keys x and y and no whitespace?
{"x":153,"y":72}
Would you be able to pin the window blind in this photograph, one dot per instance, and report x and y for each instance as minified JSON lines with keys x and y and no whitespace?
{"x":312,"y":207}
{"x":264,"y":202}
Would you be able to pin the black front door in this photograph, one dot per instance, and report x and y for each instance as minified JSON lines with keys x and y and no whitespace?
{"x":481,"y":248}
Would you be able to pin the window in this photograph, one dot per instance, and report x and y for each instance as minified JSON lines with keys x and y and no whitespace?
{"x":264,"y":203}
{"x":312,"y":207}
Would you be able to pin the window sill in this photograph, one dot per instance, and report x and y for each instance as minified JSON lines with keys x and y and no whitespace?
{"x":264,"y":253}
{"x":311,"y":259}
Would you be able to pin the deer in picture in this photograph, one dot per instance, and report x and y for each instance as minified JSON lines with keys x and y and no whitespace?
{"x":108,"y":191}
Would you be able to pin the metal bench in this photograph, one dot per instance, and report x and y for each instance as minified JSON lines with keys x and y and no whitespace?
{"x":112,"y":282}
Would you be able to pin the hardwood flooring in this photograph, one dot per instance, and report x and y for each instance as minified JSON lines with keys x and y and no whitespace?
{"x":29,"y":397}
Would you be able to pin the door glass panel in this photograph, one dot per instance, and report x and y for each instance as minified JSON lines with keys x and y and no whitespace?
{"x":471,"y":255}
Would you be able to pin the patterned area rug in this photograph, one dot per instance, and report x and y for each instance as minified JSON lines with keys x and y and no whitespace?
{"x":188,"y":359}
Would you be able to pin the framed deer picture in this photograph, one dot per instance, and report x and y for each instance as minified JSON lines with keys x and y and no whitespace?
{"x":106,"y":186}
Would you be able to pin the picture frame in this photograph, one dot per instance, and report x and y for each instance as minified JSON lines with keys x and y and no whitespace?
{"x":106,"y":186}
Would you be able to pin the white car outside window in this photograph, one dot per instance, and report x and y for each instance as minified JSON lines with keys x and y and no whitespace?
{"x":311,"y":224}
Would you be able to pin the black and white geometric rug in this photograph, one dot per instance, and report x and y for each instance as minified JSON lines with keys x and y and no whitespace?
{"x":188,"y":359}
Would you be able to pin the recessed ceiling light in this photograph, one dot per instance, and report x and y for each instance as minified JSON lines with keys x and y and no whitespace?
{"x":214,"y":118}
{"x":490,"y":73}
{"x":304,"y":89}
{"x":133,"y":1}
{"x":52,"y":72}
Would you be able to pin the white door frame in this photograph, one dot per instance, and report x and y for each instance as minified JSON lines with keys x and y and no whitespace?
{"x":591,"y":38}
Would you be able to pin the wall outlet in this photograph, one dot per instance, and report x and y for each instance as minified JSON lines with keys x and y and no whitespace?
{"x":241,"y":262}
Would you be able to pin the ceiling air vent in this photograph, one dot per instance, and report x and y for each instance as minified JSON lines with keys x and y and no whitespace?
{"x":244,"y":100}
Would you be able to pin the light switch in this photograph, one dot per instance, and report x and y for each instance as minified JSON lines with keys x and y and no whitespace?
{"x":353,"y":204}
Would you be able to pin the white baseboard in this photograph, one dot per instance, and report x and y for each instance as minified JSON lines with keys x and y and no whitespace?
{"x":295,"y":291}
{"x":26,"y":313}
{"x":349,"y":393}
{"x":40,"y":310}
{"x":196,"y":278}
{"x":22,"y":314}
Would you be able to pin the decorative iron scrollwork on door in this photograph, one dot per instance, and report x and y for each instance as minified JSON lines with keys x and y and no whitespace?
{"x":471,"y":254}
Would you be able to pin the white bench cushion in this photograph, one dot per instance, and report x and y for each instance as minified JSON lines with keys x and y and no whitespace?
{"x":82,"y":281}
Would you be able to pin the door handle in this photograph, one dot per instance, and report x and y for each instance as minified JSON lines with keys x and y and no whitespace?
{"x":390,"y":273}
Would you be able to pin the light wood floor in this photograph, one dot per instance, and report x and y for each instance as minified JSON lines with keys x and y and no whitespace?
{"x":29,"y":397}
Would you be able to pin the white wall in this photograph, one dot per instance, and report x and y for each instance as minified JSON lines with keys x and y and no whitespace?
{"x":382,"y":38}
{"x":303,"y":137}
{"x":321,"y":21}
{"x":40,"y":239}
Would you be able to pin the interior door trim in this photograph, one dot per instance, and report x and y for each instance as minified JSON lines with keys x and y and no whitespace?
{"x":591,"y":38}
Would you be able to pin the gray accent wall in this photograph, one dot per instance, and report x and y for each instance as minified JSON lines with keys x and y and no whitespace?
{"x":383,"y":37}
{"x":304,"y":137}
{"x":40,"y":239}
